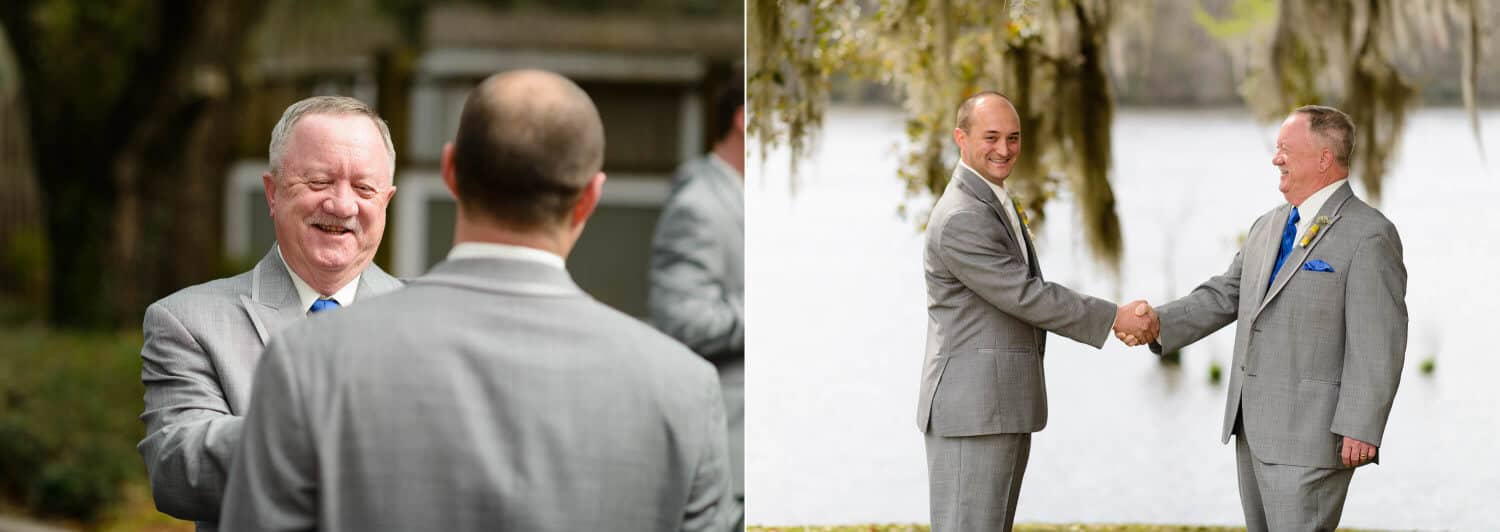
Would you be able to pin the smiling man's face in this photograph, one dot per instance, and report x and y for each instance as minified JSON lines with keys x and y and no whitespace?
{"x":328,"y":200}
{"x":993,"y":139}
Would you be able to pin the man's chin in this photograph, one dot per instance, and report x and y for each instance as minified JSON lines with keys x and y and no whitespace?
{"x":333,"y":260}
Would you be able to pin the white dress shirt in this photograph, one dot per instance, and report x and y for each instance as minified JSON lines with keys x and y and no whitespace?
{"x":469,"y":250}
{"x":1308,"y":210}
{"x":305,"y":293}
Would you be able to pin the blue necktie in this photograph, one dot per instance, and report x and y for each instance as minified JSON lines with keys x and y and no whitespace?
{"x":322,"y":305}
{"x":1287,"y":236}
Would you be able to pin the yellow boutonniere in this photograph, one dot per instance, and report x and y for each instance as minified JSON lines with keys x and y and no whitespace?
{"x":1312,"y":232}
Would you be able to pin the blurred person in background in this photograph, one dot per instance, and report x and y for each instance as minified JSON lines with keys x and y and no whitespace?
{"x":697,"y":275}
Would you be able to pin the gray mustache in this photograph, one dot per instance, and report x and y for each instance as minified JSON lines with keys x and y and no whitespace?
{"x":351,"y":224}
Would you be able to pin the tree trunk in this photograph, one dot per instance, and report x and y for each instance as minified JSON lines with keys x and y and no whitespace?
{"x":133,"y":124}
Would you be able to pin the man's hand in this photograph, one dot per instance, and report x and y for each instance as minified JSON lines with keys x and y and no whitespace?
{"x":1136,"y":323}
{"x":1357,"y":453}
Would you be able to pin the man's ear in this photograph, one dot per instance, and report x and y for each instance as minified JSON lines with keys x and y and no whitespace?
{"x":270,"y":184}
{"x":587,"y":201}
{"x":450,"y":178}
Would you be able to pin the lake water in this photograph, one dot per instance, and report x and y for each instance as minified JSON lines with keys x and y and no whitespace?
{"x":836,"y":317}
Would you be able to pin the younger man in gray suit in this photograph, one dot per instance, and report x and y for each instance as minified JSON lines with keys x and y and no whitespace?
{"x":491,"y":393}
{"x":328,"y":186}
{"x":1319,"y":294}
{"x":983,"y":391}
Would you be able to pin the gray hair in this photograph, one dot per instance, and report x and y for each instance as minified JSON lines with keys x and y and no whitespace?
{"x":327,"y":105}
{"x":1332,"y":126}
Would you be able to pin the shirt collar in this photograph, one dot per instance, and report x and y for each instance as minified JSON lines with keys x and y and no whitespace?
{"x":1000,"y":191}
{"x":305,"y":293}
{"x":1314,"y":203}
{"x":726,"y":168}
{"x":469,"y":250}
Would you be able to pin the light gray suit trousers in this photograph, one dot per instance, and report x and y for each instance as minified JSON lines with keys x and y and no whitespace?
{"x":201,"y":348}
{"x":983,"y":391}
{"x":1317,"y":356}
{"x":489,"y":394}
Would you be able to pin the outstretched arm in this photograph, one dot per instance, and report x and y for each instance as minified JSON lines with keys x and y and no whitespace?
{"x":983,"y":262}
{"x":191,"y":437}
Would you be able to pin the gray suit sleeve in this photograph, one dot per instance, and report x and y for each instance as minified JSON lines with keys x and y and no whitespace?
{"x":190,"y":434}
{"x":984,"y":265}
{"x":1206,"y":309}
{"x":711,"y":506}
{"x":1375,"y":341}
{"x":274,"y":485}
{"x":688,"y":301}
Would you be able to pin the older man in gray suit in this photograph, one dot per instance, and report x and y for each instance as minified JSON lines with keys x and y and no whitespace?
{"x":1319,"y":294}
{"x":329,"y":182}
{"x":491,"y":393}
{"x":983,"y":391}
{"x":698,"y":264}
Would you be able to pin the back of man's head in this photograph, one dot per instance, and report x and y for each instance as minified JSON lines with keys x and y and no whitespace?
{"x":728,"y":101}
{"x":528,"y":143}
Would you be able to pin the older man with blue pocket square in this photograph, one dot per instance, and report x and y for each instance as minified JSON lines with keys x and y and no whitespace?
{"x":1318,"y":291}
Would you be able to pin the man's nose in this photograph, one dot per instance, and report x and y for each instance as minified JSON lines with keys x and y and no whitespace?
{"x":340,"y":201}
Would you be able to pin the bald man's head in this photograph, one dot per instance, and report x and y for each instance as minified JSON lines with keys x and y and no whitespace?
{"x":528,"y":142}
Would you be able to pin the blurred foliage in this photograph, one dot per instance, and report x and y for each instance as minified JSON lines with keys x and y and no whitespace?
{"x":68,"y":420}
{"x":1048,"y":57}
{"x":1051,"y":59}
{"x":1429,"y":365}
{"x":1215,"y":372}
{"x":130,"y":109}
{"x":24,"y":261}
{"x":1347,"y":54}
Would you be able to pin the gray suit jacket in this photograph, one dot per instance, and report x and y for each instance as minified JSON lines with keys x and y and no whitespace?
{"x":488,"y":394}
{"x":200,"y":351}
{"x":988,"y":313}
{"x":1319,"y":356}
{"x":698,"y":282}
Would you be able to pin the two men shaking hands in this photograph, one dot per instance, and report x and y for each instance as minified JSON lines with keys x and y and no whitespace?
{"x":1316,"y":292}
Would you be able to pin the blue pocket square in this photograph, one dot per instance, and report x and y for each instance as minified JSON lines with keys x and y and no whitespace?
{"x":1317,"y":265}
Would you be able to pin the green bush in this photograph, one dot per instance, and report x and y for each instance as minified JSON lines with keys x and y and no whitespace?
{"x":69,"y":407}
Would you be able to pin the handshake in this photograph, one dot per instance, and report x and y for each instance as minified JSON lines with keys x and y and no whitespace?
{"x":1136,"y":323}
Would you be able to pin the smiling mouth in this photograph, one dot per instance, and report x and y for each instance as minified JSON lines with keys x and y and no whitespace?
{"x":332,"y":229}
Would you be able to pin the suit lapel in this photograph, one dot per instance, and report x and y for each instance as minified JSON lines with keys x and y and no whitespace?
{"x":272,"y":303}
{"x":980,"y":189}
{"x":1299,"y":253}
{"x":1261,"y":248}
{"x":1033,"y":263}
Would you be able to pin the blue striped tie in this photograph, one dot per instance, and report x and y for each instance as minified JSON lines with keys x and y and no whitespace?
{"x":1287,"y":236}
{"x":322,"y":305}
